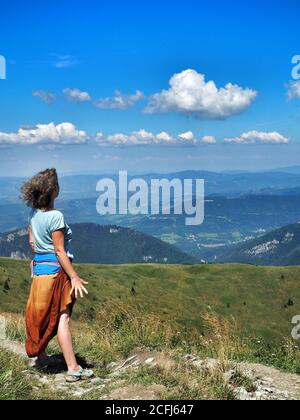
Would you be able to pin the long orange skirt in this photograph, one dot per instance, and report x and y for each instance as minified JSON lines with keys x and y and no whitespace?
{"x":49,"y":298}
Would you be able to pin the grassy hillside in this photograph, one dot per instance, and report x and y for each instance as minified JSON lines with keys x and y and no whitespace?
{"x":176,"y":313}
{"x":263,"y":300}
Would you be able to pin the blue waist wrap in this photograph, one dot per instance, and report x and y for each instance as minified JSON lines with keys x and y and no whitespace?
{"x":40,"y":266}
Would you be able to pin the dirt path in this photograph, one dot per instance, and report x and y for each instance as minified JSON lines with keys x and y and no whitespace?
{"x":270,"y":383}
{"x":13,"y":346}
{"x":110,"y":387}
{"x":279,"y":385}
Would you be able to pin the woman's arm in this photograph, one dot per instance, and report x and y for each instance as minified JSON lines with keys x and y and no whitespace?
{"x":31,"y":239}
{"x":31,"y":243}
{"x":58,"y":238}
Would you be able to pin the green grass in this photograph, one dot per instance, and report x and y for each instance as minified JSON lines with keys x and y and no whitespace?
{"x":284,"y":356}
{"x":230,"y":312}
{"x":16,"y":382}
{"x":241,"y":380}
{"x":255,"y":296}
{"x":13,"y":383}
{"x":182,"y":382}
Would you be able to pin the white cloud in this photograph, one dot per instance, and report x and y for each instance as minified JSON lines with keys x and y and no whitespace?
{"x":294,"y":90}
{"x":45,"y":96}
{"x":189,"y":93}
{"x":164,"y":137}
{"x":144,"y":137}
{"x":99,"y":136}
{"x":120,"y":101}
{"x":254,"y":137}
{"x":209,"y":140}
{"x":188,"y":136}
{"x":119,"y":139}
{"x":64,"y":61}
{"x":76,"y":95}
{"x":141,"y":137}
{"x":64,"y":134}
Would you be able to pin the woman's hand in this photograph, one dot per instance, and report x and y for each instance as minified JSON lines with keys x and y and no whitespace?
{"x":78,"y":286}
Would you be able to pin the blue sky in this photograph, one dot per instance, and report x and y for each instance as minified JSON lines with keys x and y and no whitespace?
{"x":66,"y":60}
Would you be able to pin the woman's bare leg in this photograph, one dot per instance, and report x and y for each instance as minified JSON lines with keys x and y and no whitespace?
{"x":65,"y":342}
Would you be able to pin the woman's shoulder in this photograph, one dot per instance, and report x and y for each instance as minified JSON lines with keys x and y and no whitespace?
{"x":50,"y":213}
{"x":55,"y":215}
{"x":52,"y":216}
{"x":56,"y":212}
{"x":56,"y":220}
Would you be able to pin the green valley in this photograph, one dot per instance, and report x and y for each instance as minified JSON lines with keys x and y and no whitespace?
{"x":262,"y":300}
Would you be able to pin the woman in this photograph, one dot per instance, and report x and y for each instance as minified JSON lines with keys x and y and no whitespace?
{"x":55,"y":283}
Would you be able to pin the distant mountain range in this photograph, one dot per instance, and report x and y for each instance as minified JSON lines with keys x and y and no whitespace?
{"x":289,"y":169}
{"x":280,"y":247}
{"x":103,"y":245}
{"x":239,"y":206}
{"x":228,"y":220}
{"x":223,"y":183}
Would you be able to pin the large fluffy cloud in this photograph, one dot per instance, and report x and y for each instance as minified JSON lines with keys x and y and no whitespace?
{"x":189,"y":93}
{"x":76,"y":95}
{"x":64,"y":134}
{"x":144,"y":137}
{"x":120,"y":101}
{"x":253,"y":137}
{"x":294,"y":90}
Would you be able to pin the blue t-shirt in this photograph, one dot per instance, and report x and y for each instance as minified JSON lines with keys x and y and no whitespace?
{"x":43,"y":224}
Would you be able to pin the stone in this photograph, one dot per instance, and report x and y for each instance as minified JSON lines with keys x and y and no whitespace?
{"x":242,"y":394}
{"x":268,"y":390}
{"x":259,"y":395}
{"x":112,"y":365}
{"x":207,"y":364}
{"x":229,"y":376}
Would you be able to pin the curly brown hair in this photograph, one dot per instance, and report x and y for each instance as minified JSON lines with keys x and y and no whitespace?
{"x":38,"y":191}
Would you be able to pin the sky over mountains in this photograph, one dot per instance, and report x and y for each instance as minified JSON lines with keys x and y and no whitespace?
{"x":143,"y":86}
